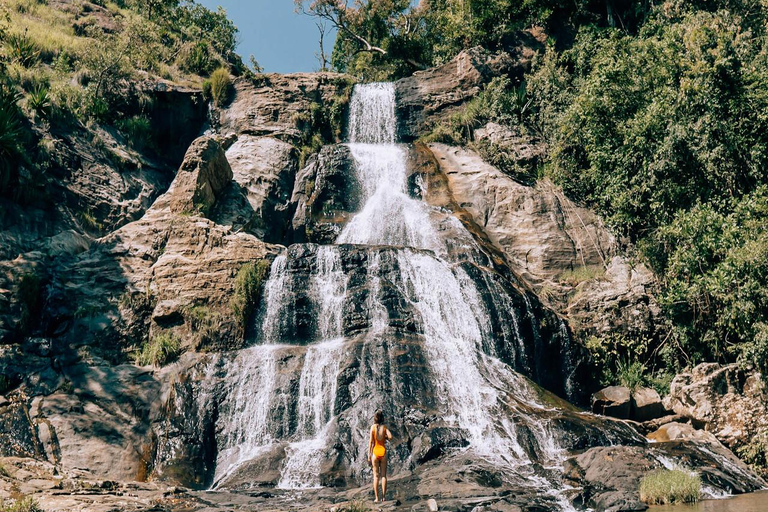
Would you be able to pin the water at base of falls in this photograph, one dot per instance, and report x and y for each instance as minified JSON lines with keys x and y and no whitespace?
{"x":473,"y":389}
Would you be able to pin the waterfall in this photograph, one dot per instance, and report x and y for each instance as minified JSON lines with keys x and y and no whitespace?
{"x":283,"y":392}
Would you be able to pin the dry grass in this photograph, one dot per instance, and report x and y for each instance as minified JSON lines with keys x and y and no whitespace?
{"x":581,"y":274}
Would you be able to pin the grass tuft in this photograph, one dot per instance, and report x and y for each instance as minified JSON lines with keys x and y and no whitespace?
{"x":248,"y":284}
{"x":159,"y":350}
{"x":581,"y":274}
{"x":664,"y":487}
{"x":221,"y":87}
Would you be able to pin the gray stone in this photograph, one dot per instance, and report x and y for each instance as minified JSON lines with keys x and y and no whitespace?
{"x":646,"y":405}
{"x":612,"y":401}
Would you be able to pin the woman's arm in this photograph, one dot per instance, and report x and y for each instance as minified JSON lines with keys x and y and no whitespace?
{"x":389,"y":435}
{"x":371,"y":443}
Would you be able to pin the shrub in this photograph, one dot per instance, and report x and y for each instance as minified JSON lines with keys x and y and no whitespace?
{"x":581,"y":274}
{"x":138,"y":131}
{"x":666,"y":486}
{"x":197,"y":59}
{"x":221,"y":87}
{"x":22,"y":49}
{"x":159,"y":350}
{"x":4,"y":472}
{"x":248,"y":285}
{"x":40,"y":102}
{"x":755,"y":453}
{"x":630,"y":374}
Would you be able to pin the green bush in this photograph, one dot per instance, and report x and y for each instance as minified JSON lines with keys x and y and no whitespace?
{"x":664,"y":486}
{"x":21,"y":505}
{"x":197,"y":58}
{"x":221,"y":87}
{"x":248,"y":286}
{"x":630,"y":374}
{"x":755,"y":453}
{"x":40,"y":102}
{"x":159,"y":350}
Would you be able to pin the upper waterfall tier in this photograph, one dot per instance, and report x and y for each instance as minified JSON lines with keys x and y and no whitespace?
{"x":372,"y":114}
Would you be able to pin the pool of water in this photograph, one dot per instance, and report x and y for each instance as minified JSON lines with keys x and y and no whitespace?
{"x":752,"y":502}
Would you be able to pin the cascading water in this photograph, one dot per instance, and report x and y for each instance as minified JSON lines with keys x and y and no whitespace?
{"x":407,"y":261}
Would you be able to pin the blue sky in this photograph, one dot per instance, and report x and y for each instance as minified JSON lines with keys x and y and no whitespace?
{"x":281,"y":40}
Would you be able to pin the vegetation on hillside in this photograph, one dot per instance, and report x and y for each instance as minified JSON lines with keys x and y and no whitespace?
{"x":81,"y":63}
{"x":653,"y":114}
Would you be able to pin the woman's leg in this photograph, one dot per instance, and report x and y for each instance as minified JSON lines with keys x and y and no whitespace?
{"x":375,"y":463}
{"x":383,"y":473}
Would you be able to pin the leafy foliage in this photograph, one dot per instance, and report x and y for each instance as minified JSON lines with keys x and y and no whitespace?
{"x":664,"y":132}
{"x":11,"y":134}
{"x":755,"y":453}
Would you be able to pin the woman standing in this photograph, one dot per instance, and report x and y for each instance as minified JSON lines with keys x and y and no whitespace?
{"x":377,"y":453}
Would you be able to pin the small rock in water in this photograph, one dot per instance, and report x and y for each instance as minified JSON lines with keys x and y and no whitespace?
{"x":432,"y":505}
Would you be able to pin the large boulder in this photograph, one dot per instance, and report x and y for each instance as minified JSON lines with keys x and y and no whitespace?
{"x":265,"y":168}
{"x":203,"y":175}
{"x":278,"y":106}
{"x":675,"y":431}
{"x":646,"y":405}
{"x":612,"y":401}
{"x":726,"y":400}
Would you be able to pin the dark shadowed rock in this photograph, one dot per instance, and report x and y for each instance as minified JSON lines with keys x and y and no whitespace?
{"x":612,"y":401}
{"x":325,"y":196}
{"x":646,"y":405}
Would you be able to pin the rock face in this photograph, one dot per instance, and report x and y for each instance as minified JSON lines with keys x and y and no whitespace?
{"x":646,"y":405}
{"x":277,"y":105}
{"x":428,"y":96}
{"x":726,"y":400}
{"x":266,"y":168}
{"x":324,"y":196}
{"x":201,"y":179}
{"x":554,"y":245}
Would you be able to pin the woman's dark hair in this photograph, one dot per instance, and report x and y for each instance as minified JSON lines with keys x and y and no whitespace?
{"x":378,"y":417}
